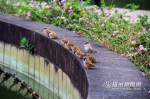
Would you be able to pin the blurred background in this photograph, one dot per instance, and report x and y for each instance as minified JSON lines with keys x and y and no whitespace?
{"x":144,"y":4}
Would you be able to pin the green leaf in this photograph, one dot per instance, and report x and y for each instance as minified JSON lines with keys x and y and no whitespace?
{"x":132,"y":6}
{"x":31,"y":48}
{"x":23,"y":42}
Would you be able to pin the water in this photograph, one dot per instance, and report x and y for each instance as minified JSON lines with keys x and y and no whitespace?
{"x":8,"y":94}
{"x":14,"y":93}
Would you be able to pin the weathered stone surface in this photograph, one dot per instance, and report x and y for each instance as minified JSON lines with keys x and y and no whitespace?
{"x":48,"y":48}
{"x":113,"y":67}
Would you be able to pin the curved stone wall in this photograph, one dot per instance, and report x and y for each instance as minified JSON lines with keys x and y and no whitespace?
{"x":39,"y":69}
{"x":65,"y":63}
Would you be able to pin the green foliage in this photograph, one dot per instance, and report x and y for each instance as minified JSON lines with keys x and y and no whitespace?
{"x":25,"y":44}
{"x":103,"y":3}
{"x":111,"y":30}
{"x":111,"y":7}
{"x":132,"y":6}
{"x":143,"y":20}
{"x":87,"y":2}
{"x":148,"y":74}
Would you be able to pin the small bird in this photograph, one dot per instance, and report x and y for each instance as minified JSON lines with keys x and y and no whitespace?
{"x":91,"y":58}
{"x":68,"y":45}
{"x":88,"y":47}
{"x":64,"y":40}
{"x":79,"y":53}
{"x":53,"y":35}
{"x":87,"y":63}
{"x":75,"y":47}
{"x":81,"y":33}
{"x":47,"y":31}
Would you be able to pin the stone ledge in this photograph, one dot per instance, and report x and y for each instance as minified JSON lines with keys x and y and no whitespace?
{"x":13,"y":31}
{"x":90,"y":84}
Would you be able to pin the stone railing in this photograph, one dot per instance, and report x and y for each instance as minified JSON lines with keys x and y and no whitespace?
{"x":52,"y":65}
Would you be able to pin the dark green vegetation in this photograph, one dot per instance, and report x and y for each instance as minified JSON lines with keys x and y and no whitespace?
{"x":8,"y":94}
{"x":129,"y":38}
{"x":25,"y":44}
{"x":143,"y":4}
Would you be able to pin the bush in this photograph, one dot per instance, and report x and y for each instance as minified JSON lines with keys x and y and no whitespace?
{"x":128,"y":38}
